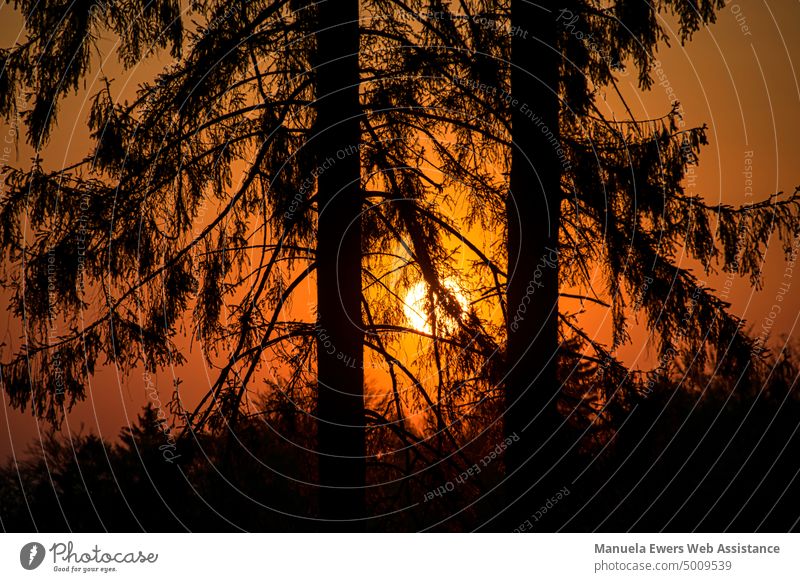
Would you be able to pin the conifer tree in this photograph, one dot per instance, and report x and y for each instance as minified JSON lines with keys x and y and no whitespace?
{"x":594,"y":210}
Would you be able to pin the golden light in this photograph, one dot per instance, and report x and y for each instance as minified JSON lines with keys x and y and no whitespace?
{"x":417,"y":311}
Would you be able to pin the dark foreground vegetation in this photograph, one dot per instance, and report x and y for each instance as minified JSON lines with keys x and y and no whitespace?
{"x":695,"y":456}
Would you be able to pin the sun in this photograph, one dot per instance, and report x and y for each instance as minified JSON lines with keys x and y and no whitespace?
{"x":416,"y":307}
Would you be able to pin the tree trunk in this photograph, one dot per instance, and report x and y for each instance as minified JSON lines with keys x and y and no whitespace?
{"x":341,"y":440}
{"x":532,"y":212}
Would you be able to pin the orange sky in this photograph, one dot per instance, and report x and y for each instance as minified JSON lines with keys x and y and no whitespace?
{"x":738,"y":77}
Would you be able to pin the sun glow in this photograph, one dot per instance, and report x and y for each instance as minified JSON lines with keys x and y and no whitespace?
{"x":417,"y":310}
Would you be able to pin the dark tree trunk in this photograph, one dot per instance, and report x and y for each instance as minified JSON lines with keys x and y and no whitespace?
{"x":340,"y":331}
{"x":533,"y":215}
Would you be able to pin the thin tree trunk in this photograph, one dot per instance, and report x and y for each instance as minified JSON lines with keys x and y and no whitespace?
{"x":532,"y":212}
{"x":341,"y":439}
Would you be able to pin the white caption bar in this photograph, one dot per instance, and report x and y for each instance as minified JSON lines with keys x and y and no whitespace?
{"x":400,"y":557}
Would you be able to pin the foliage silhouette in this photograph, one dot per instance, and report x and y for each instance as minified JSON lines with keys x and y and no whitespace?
{"x":274,"y":153}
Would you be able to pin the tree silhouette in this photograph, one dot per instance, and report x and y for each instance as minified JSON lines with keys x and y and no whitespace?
{"x":367,"y":147}
{"x":594,"y":209}
{"x":531,"y":384}
{"x":80,"y":482}
{"x":626,"y":179}
{"x":337,"y":138}
{"x":230,"y":180}
{"x":198,"y":200}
